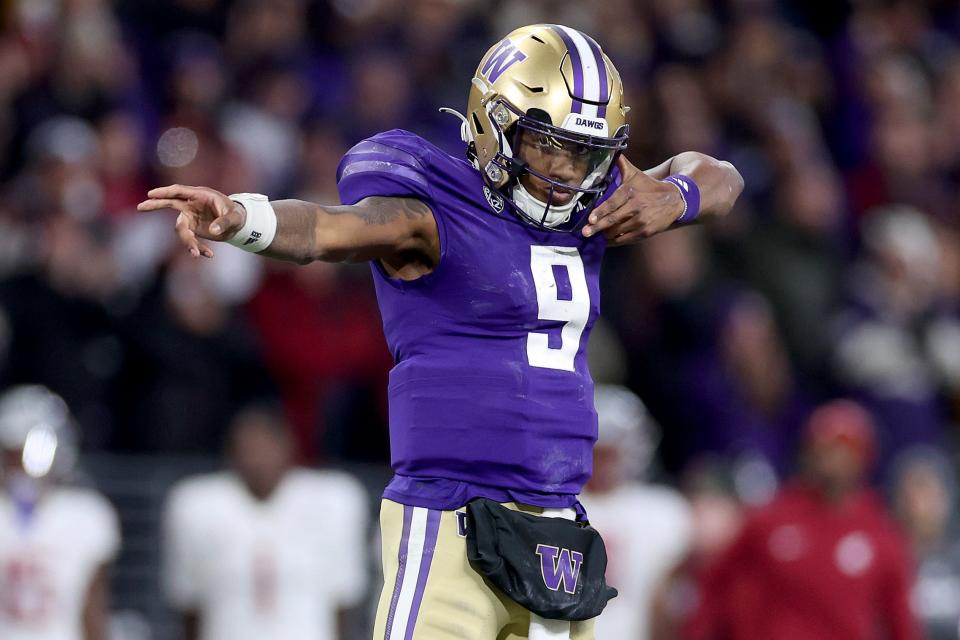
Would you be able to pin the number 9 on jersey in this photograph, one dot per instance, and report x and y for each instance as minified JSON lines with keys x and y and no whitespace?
{"x":574,"y":312}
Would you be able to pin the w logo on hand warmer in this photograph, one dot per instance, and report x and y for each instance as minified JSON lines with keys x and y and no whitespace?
{"x":559,"y":566}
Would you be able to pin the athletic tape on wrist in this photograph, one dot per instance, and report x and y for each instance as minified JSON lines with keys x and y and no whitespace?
{"x":260,"y":225}
{"x":690,"y":193}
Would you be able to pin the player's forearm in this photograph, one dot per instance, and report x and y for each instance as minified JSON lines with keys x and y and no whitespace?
{"x":296,"y":238}
{"x":372,"y":229}
{"x":191,"y":625}
{"x":307,"y":231}
{"x":719,"y":181}
{"x":95,"y":607}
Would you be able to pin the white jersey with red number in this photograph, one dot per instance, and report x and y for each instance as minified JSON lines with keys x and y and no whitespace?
{"x":647,"y":531}
{"x":275,"y":569}
{"x":48,"y":559}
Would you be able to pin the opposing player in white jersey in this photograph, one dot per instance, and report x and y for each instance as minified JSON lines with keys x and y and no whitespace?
{"x":647,"y":528}
{"x":56,"y":541}
{"x":265,"y":550}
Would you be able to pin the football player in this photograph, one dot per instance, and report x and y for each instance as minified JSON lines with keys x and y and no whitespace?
{"x":56,"y":541}
{"x":647,"y":528}
{"x":265,"y":550}
{"x":487,"y":275}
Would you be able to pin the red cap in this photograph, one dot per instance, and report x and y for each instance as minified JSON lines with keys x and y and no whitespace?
{"x":843,"y":421}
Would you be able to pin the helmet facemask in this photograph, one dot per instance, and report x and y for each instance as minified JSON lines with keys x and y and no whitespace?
{"x":555,"y":175}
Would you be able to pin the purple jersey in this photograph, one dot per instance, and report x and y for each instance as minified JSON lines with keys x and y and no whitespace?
{"x":490,"y":395}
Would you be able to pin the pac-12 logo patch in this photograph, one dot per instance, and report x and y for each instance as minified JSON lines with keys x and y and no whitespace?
{"x":559,"y":567}
{"x":495,"y":200}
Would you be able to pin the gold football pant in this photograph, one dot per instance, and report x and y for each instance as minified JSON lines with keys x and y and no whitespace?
{"x":430,"y":592}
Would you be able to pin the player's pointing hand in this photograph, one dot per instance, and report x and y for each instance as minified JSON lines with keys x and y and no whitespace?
{"x":639,"y":208}
{"x":204,"y":213}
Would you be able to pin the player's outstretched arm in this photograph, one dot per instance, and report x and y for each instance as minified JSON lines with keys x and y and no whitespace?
{"x":374,"y":228}
{"x":645,"y":204}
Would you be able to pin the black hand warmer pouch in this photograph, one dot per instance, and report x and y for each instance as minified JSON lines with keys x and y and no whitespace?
{"x":550,"y":566}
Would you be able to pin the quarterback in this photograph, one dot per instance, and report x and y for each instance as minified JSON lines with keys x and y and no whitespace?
{"x":487,"y":274}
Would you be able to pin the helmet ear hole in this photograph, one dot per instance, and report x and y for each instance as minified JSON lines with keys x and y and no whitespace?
{"x":476,"y":123}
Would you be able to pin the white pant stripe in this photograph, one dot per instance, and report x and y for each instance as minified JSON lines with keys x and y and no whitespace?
{"x":544,"y":629}
{"x":418,"y":531}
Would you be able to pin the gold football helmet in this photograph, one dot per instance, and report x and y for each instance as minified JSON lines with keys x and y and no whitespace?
{"x":554,"y":85}
{"x":36,"y":422}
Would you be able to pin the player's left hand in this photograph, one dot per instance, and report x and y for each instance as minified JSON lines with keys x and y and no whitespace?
{"x":640,"y":207}
{"x":204,"y":214}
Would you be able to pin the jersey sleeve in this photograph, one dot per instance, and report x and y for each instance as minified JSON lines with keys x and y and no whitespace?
{"x":99,"y":521}
{"x":675,"y":514}
{"x":181,"y":582}
{"x":390,"y":164}
{"x":347,"y":499}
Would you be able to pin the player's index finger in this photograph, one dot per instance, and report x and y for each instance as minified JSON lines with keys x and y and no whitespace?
{"x":178,"y":191}
{"x":154,"y":204}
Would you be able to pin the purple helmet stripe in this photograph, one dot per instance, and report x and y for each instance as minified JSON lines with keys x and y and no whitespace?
{"x":429,"y":545}
{"x":401,"y":568}
{"x":602,"y":70}
{"x":577,"y":65}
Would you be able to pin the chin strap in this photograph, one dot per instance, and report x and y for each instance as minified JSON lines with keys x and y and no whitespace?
{"x":534,"y":207}
{"x":465,"y":133}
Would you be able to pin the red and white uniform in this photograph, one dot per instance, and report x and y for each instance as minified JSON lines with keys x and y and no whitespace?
{"x":47,"y":562}
{"x":278,"y":568}
{"x":802,"y":569}
{"x":647,"y":531}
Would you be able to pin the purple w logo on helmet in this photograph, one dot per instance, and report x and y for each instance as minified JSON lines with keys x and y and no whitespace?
{"x":502,"y":58}
{"x":560,"y":566}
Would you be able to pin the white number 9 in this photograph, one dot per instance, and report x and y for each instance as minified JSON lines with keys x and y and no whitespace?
{"x":574,"y":312}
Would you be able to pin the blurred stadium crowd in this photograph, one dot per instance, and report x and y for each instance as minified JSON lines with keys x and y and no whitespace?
{"x":838,"y":274}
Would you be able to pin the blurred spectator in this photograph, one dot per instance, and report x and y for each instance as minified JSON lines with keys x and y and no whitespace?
{"x":323,"y":343}
{"x":57,"y":540}
{"x":822,"y":560}
{"x":716,"y":516}
{"x":893,"y":326}
{"x":924,"y":496}
{"x":748,"y":394}
{"x":620,"y":504}
{"x":121,"y":143}
{"x":901,"y":165}
{"x":266,"y":129}
{"x":796,"y":260}
{"x":663,"y":299}
{"x":64,"y":324}
{"x":382,"y":94}
{"x":190,"y":358}
{"x":265,"y":549}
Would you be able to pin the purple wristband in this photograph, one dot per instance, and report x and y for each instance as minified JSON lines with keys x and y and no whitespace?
{"x":690,"y":193}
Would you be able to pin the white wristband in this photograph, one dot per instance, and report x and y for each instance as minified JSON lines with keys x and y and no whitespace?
{"x":260,"y":225}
